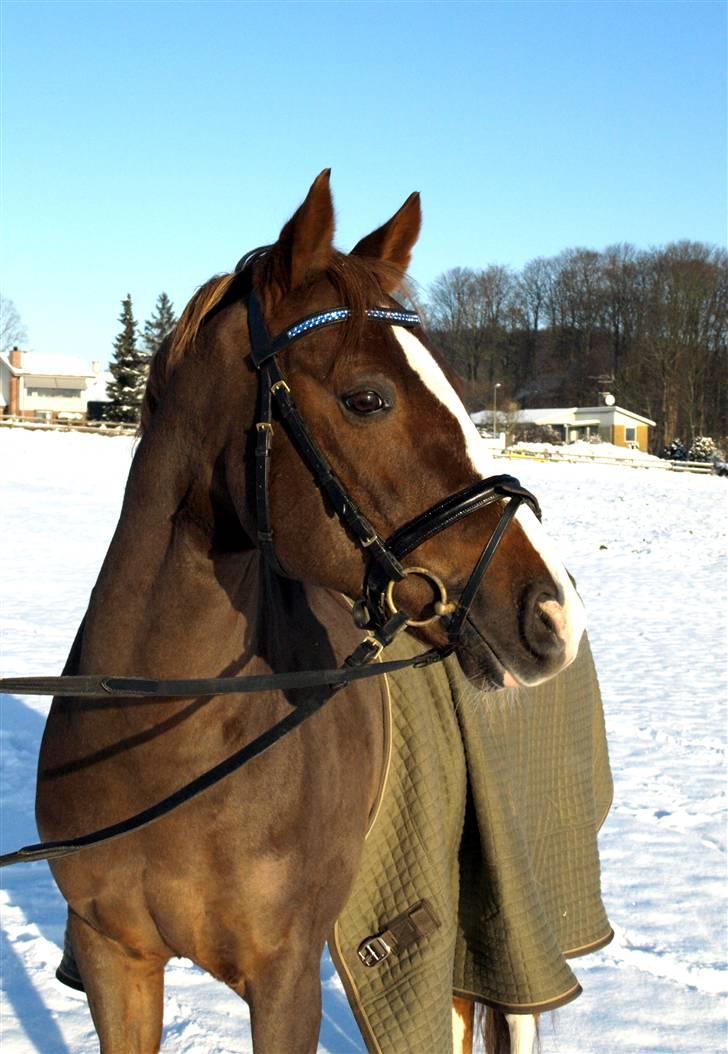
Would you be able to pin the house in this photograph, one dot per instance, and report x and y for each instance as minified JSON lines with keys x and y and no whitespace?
{"x":48,"y":389}
{"x":610,"y":424}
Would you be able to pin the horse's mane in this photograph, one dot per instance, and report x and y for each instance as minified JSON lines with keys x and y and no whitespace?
{"x":175,"y":346}
{"x":358,"y":282}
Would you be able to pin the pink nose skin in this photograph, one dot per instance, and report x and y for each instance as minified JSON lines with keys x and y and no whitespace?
{"x":548,"y":633}
{"x":555,"y":615}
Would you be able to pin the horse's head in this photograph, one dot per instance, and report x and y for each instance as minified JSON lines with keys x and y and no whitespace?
{"x":385,"y":417}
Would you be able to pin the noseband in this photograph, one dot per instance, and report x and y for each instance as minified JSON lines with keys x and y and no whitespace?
{"x":376,"y":610}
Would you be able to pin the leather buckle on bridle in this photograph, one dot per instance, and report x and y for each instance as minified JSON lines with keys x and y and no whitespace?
{"x":373,"y":646}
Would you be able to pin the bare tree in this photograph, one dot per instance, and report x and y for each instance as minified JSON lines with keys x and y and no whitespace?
{"x":529,"y":318}
{"x":494,"y":289}
{"x":531,"y":292}
{"x":683,"y":349}
{"x":12,"y":330}
{"x":623,"y":301}
{"x":453,"y":314}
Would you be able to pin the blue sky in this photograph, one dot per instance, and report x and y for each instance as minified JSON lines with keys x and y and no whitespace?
{"x":147,"y":145}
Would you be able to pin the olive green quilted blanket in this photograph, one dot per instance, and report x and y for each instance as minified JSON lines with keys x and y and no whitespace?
{"x":480,"y":872}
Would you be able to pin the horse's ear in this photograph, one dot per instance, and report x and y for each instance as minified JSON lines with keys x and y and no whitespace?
{"x":304,"y":244}
{"x":393,"y":241}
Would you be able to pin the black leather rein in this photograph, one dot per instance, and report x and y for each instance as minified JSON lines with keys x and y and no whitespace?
{"x":136,"y":688}
{"x":376,"y":610}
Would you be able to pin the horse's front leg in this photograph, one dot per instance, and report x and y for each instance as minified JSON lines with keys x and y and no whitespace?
{"x":284,"y":996}
{"x":124,"y":991}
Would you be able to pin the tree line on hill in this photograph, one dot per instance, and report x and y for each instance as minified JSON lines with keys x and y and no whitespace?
{"x":649,"y":326}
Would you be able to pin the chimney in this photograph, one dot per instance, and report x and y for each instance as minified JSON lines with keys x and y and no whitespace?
{"x":16,"y":360}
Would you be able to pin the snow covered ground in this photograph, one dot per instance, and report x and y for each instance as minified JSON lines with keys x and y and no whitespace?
{"x":648,"y":551}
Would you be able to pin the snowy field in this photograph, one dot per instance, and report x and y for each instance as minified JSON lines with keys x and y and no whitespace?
{"x":648,"y":551}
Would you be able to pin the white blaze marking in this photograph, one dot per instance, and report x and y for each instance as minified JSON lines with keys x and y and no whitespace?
{"x":522,"y":1028}
{"x":424,"y":365}
{"x":573,"y":619}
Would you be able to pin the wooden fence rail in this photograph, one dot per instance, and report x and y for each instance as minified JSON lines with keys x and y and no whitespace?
{"x":101,"y":429}
{"x":704,"y":467}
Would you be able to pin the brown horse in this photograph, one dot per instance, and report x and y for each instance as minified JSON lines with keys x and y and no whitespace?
{"x":248,"y":880}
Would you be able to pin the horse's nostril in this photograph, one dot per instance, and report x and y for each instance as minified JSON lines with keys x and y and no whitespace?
{"x":544,"y":624}
{"x":551,"y":614}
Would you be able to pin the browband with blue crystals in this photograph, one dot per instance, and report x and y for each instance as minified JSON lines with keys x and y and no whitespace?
{"x":262,"y":351}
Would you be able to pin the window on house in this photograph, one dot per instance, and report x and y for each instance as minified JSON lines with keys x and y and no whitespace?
{"x":630,"y":435}
{"x":60,"y":393}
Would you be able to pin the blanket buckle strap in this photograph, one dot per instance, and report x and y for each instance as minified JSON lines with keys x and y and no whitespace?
{"x":373,"y":951}
{"x":417,"y":922}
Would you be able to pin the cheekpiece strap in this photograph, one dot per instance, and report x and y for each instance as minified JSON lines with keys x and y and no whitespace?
{"x":273,"y":389}
{"x":257,"y":330}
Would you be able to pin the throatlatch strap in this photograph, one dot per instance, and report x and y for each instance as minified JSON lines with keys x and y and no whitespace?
{"x":263,"y":449}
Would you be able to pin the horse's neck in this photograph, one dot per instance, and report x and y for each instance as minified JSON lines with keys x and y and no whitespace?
{"x":166,"y":603}
{"x":169,"y":603}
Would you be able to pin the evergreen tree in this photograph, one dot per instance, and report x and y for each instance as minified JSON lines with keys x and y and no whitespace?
{"x":157,"y":327}
{"x":129,"y":369}
{"x":675,"y":451}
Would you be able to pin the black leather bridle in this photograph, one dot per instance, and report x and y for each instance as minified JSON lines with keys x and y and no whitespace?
{"x":375,"y":610}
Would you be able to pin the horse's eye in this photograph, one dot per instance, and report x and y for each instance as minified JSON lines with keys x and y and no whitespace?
{"x":364,"y":402}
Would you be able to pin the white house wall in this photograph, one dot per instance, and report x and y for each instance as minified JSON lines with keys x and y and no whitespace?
{"x":62,"y":404}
